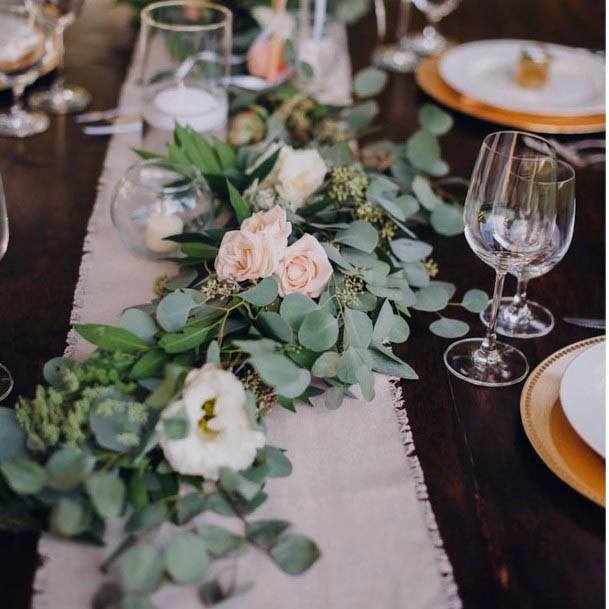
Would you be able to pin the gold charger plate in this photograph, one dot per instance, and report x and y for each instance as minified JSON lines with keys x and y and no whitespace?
{"x":548,"y":430}
{"x":429,"y":79}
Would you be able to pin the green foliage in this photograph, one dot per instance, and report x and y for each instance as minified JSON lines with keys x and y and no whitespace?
{"x":186,"y":558}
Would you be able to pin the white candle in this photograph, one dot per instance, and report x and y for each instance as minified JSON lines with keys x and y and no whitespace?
{"x":159,"y":226}
{"x":319,"y":19}
{"x":204,"y":111}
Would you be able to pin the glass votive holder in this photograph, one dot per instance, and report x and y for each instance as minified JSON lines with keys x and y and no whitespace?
{"x":156,"y":199}
{"x":185,"y":47}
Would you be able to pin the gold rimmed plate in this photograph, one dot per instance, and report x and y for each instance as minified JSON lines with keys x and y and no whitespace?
{"x":548,"y":430}
{"x":429,"y":79}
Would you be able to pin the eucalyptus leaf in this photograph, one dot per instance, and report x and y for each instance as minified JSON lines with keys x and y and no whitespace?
{"x":265,"y":533}
{"x":361,"y":116}
{"x":186,"y":558}
{"x":350,"y":361}
{"x":447,"y":220}
{"x":276,"y":326}
{"x":318,"y":331}
{"x":141,"y":568}
{"x":139,"y":323}
{"x":435,"y":120}
{"x":294,"y":308}
{"x":219,"y":541}
{"x":294,"y":554}
{"x":234,"y":482}
{"x":425,"y":194}
{"x":279,"y":372}
{"x":334,"y":397}
{"x":23,"y":475}
{"x":53,"y":372}
{"x":449,"y":328}
{"x":279,"y":465}
{"x":12,"y":437}
{"x":68,"y":467}
{"x":423,"y":150}
{"x":358,"y":328}
{"x":410,"y":250}
{"x":475,"y":301}
{"x":326,"y":365}
{"x":172,"y":311}
{"x":107,"y":492}
{"x":366,"y":381}
{"x":361,"y":235}
{"x":261,"y":294}
{"x":69,"y":517}
{"x":431,"y":298}
{"x":369,"y":82}
{"x":147,"y":518}
{"x":384,"y":322}
{"x":385,"y":362}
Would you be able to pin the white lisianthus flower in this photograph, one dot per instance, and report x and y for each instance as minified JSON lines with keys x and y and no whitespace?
{"x":219,"y":434}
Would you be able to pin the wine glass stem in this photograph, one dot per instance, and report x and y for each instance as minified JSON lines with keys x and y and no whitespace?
{"x":18,"y":89}
{"x":490,"y":340}
{"x":519,"y":307}
{"x":61,"y":53}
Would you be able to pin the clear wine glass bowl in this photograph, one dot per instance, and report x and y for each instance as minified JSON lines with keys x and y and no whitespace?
{"x":520,"y":317}
{"x":510,"y":220}
{"x":23,"y":46}
{"x":6,"y":380}
{"x":61,"y":98}
{"x":430,"y":41}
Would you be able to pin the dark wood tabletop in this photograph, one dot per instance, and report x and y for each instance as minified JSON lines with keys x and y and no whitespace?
{"x":517,"y":536}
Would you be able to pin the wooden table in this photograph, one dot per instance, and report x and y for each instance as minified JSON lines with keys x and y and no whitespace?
{"x":516,"y":535}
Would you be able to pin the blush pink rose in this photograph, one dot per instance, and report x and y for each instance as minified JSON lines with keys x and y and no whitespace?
{"x":272,"y":225}
{"x":244,"y":255}
{"x":305,"y":268}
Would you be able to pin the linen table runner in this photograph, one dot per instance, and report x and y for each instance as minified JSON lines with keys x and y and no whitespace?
{"x":357,"y":488}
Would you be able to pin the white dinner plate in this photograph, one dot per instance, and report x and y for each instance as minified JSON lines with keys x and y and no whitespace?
{"x":484,"y":70}
{"x":582,"y":396}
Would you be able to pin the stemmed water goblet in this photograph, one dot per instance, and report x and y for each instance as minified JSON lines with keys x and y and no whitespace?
{"x":520,"y":317}
{"x":510,"y":219}
{"x":398,"y":57}
{"x":60,"y":98}
{"x":23,"y":46}
{"x":430,"y":41}
{"x":6,"y":380}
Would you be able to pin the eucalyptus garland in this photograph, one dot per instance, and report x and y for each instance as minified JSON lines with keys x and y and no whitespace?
{"x":296,"y":297}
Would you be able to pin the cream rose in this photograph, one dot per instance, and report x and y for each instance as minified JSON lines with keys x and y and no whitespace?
{"x":300,"y":174}
{"x":305,"y":268}
{"x":245,"y":255}
{"x":272,"y":225}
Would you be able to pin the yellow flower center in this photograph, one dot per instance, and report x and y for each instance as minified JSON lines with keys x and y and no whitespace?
{"x":208,"y":410}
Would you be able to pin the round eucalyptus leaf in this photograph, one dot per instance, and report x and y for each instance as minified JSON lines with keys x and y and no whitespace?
{"x":186,"y":558}
{"x":358,"y":328}
{"x":410,"y":250}
{"x":449,"y":328}
{"x":326,"y":365}
{"x":435,"y":120}
{"x":294,"y":554}
{"x":279,"y":465}
{"x":69,"y":517}
{"x":139,"y":323}
{"x":12,"y":437}
{"x":68,"y":467}
{"x":264,"y":533}
{"x":141,"y":568}
{"x":147,"y":518}
{"x":272,"y":323}
{"x":449,"y":288}
{"x":172,"y":312}
{"x":400,"y":331}
{"x":334,"y":397}
{"x":107,"y":492}
{"x":360,"y":235}
{"x":425,"y":194}
{"x":219,"y":541}
{"x":54,"y":368}
{"x":279,"y":372}
{"x":431,"y":298}
{"x":319,"y":331}
{"x":294,"y":307}
{"x":422,"y":150}
{"x":366,"y":381}
{"x":350,"y":361}
{"x":447,"y":220}
{"x":475,"y":301}
{"x":261,"y":294}
{"x":369,"y":82}
{"x":23,"y":475}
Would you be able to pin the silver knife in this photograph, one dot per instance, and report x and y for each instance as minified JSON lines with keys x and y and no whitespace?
{"x":595,"y":324}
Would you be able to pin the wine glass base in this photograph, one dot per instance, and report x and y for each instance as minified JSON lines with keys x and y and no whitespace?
{"x":395,"y":58}
{"x":428,"y":42}
{"x":23,"y":124}
{"x":6,"y":382}
{"x":67,"y":100}
{"x":506,"y":366}
{"x":538,"y":322}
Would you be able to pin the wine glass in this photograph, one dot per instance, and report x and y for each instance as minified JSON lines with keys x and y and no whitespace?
{"x":398,"y":57}
{"x":430,"y":41}
{"x":60,"y":98}
{"x":6,"y":380}
{"x":519,"y":317}
{"x":23,"y":45}
{"x":510,"y":220}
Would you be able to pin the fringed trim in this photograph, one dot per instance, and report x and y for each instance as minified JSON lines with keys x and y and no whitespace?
{"x":451,"y":591}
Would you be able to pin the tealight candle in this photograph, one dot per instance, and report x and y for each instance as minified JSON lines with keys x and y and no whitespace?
{"x":202,"y":110}
{"x":159,"y":226}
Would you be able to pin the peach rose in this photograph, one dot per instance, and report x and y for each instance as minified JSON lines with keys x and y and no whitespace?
{"x":305,"y":268}
{"x":244,"y":255}
{"x":272,"y":225}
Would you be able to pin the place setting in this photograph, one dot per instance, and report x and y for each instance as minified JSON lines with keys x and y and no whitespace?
{"x":278,"y":310}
